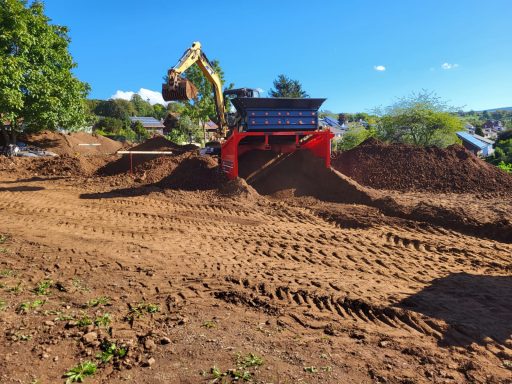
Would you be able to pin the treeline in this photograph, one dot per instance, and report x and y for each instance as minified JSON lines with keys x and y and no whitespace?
{"x":112,"y":117}
{"x":421,"y":119}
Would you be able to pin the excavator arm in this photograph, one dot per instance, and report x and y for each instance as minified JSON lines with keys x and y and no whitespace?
{"x":178,"y":88}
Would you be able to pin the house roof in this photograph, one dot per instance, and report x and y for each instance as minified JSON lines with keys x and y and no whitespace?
{"x":484,"y":139}
{"x":331,"y":122}
{"x":472,"y":140}
{"x":147,"y":122}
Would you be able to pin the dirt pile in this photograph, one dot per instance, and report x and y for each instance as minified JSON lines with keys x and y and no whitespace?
{"x":238,"y":188}
{"x":409,"y":168}
{"x":64,"y":165}
{"x":74,"y":143}
{"x":155,"y":162}
{"x":299,"y":174}
{"x":194,"y":172}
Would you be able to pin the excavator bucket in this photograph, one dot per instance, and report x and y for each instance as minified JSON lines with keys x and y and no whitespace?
{"x":182,"y":90}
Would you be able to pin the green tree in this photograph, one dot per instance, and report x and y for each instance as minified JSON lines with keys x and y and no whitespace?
{"x":159,"y":111}
{"x":37,"y":87}
{"x":140,"y":132}
{"x":202,"y":109}
{"x":421,"y":119}
{"x":141,"y":106}
{"x":115,"y":108}
{"x":355,"y":135}
{"x":286,"y":87}
{"x":479,"y":130}
{"x":186,"y":132}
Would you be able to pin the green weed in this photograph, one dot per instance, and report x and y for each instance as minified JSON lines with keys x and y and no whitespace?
{"x":103,"y":321}
{"x":3,"y":238}
{"x":111,"y":351}
{"x":139,"y":310}
{"x":3,"y":305}
{"x":209,"y":324}
{"x":43,"y":287}
{"x":248,"y":361}
{"x":6,"y":273}
{"x":102,"y":300}
{"x":28,"y":305}
{"x":78,"y":373}
{"x":310,"y":369}
{"x":84,"y":321}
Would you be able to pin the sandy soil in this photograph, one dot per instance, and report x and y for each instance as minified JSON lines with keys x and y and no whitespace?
{"x":323,"y":292}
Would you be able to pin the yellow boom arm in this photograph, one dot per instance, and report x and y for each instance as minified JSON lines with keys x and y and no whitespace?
{"x":174,"y":81}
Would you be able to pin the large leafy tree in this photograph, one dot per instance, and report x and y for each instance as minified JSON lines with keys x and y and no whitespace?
{"x":37,"y":87}
{"x":421,"y":119}
{"x":202,"y":109}
{"x":286,"y":87}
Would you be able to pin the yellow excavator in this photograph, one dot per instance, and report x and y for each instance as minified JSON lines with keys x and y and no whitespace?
{"x":178,"y":88}
{"x":281,"y":125}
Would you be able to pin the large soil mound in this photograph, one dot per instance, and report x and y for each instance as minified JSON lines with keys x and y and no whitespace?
{"x":156,"y":163}
{"x":74,"y":143}
{"x":299,"y":174}
{"x":409,"y":168}
{"x":64,"y":165}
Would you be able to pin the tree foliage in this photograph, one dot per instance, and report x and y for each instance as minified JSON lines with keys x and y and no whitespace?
{"x":355,"y":135}
{"x":286,"y":87}
{"x":37,"y":86}
{"x":421,"y":119}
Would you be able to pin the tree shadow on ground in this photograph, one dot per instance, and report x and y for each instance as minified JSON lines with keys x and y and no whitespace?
{"x":476,"y":308}
{"x":21,"y":188}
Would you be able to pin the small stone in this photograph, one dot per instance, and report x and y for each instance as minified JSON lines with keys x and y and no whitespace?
{"x":56,"y":358}
{"x":149,"y":344}
{"x":90,"y":337}
{"x":183,"y":321}
{"x":45,"y":356}
{"x":49,"y":323}
{"x":150,"y":362}
{"x":165,"y":340}
{"x":383,"y":343}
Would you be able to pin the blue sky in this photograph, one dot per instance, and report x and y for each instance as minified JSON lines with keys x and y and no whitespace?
{"x":334,"y":48}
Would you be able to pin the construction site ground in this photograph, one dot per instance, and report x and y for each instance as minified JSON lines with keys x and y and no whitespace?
{"x":384,"y":287}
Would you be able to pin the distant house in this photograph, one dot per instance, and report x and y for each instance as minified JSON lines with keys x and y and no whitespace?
{"x":495,"y":125}
{"x":479,"y":145}
{"x":470,"y":128}
{"x":152,"y":125}
{"x":336,"y":128}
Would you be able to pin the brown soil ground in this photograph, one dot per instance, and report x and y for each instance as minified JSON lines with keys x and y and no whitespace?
{"x":358,"y":286}
{"x":409,"y":168}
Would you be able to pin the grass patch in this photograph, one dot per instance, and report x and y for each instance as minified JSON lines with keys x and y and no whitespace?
{"x":81,"y":371}
{"x":6,"y":273}
{"x":3,"y":238}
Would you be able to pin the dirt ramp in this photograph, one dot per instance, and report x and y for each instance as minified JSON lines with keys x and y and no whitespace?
{"x":410,"y":168}
{"x":300,"y":174}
